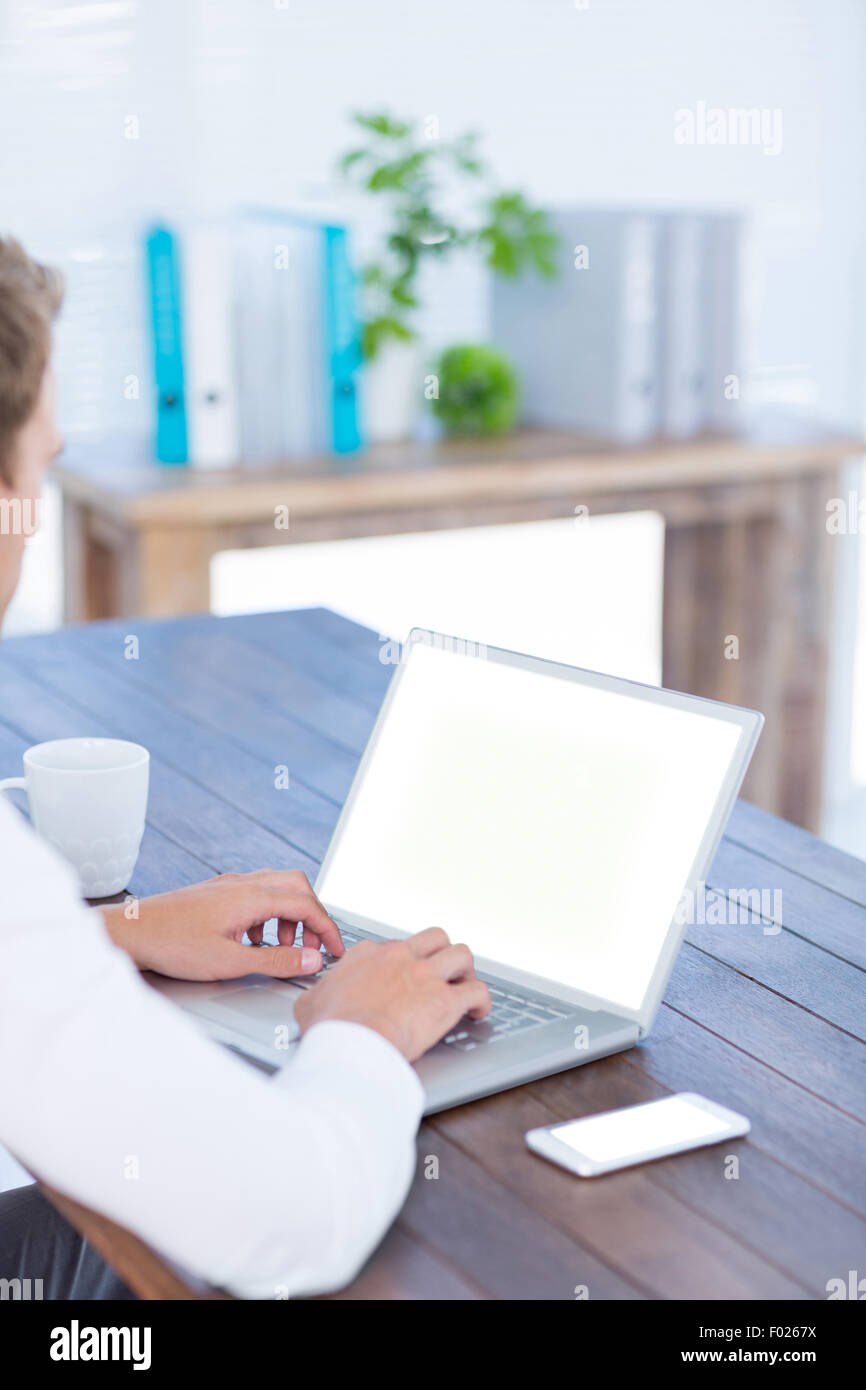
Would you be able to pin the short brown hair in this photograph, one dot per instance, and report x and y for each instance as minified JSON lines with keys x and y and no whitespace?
{"x":30,"y":295}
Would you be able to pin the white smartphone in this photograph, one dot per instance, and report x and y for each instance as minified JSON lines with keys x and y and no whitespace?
{"x":637,"y":1134}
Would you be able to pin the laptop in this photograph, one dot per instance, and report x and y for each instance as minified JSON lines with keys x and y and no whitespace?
{"x":555,"y":820}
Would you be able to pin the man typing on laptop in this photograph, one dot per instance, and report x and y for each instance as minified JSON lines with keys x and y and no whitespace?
{"x":266,"y":1187}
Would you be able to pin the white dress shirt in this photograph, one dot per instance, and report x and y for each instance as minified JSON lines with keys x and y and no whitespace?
{"x":268,"y":1187}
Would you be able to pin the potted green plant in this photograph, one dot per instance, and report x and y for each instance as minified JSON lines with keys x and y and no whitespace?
{"x":477,"y":391}
{"x":413,"y":173}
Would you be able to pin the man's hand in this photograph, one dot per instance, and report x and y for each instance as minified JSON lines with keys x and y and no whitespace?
{"x":412,"y":992}
{"x":195,"y":933}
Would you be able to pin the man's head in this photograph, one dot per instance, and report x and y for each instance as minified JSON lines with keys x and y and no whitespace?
{"x":30,"y":296}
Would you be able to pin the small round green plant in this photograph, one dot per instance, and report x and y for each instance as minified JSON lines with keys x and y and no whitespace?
{"x":478,"y":391}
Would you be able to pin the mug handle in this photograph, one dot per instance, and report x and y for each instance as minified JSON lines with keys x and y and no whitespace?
{"x":9,"y":782}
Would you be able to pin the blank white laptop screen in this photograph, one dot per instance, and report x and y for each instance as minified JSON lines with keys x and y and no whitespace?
{"x":549,"y":824}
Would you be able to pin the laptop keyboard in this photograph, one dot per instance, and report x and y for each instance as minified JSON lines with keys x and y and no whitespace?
{"x":510,"y":1012}
{"x":304,"y":981}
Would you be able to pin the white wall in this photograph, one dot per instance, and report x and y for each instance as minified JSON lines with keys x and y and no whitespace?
{"x":246,"y":100}
{"x":577,"y":105}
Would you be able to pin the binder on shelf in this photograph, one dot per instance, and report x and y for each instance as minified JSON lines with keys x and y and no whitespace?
{"x":683,"y":337}
{"x":168,"y":365}
{"x":299,"y":341}
{"x":277,"y":370}
{"x":639,"y":335}
{"x":207,"y":330}
{"x":256,"y":341}
{"x":586,"y":343}
{"x":343,"y":343}
{"x":300,"y":309}
{"x":258,"y":346}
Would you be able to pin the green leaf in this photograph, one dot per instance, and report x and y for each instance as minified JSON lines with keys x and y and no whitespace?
{"x":502,"y":255}
{"x":370,"y":340}
{"x":382,"y":124}
{"x":399,"y":174}
{"x":407,"y":249}
{"x":396,"y":328}
{"x":379,"y":330}
{"x":506,"y":203}
{"x":542,"y":248}
{"x":400,"y":295}
{"x":351,"y":158}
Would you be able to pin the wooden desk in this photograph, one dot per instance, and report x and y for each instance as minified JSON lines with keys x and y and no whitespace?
{"x":773,"y":1025}
{"x":747,"y":553}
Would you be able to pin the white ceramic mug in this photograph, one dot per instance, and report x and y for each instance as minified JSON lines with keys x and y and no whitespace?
{"x":88,"y":798}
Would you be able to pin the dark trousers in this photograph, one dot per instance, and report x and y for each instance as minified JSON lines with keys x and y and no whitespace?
{"x":36,"y":1242}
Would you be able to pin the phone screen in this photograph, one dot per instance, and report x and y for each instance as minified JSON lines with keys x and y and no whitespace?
{"x":641,"y":1129}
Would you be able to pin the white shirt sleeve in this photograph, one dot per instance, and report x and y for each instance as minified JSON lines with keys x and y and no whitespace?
{"x":268,"y":1187}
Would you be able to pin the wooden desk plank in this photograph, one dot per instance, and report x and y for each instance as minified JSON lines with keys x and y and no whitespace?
{"x":781,"y":842}
{"x":797,"y":1128}
{"x":789,"y":1039}
{"x":263,"y":728}
{"x":809,"y":908}
{"x":818,"y":981}
{"x":270,"y":683}
{"x":353,"y":666}
{"x":506,"y":1248}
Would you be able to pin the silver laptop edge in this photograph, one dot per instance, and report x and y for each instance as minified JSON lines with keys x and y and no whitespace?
{"x":750,"y":723}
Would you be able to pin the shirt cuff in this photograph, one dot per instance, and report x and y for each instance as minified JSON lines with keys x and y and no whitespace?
{"x":340,"y":1052}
